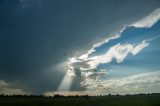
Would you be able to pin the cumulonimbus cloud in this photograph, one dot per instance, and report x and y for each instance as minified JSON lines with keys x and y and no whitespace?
{"x":87,"y":65}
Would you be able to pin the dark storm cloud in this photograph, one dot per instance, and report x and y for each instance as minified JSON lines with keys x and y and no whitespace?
{"x":38,"y":34}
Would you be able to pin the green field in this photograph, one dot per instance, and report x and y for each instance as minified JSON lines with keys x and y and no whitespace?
{"x":127,"y":100}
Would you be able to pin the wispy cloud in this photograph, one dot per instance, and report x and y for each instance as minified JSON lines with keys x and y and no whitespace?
{"x":140,"y":83}
{"x":149,"y":20}
{"x":119,"y":52}
{"x":139,"y":47}
{"x":92,"y":50}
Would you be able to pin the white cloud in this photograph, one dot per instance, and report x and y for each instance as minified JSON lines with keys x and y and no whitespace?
{"x":92,"y":50}
{"x":6,"y":89}
{"x":138,"y":48}
{"x":149,"y":20}
{"x":119,"y":52}
{"x":140,"y":83}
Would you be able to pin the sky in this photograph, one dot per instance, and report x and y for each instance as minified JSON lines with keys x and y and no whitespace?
{"x":91,"y":47}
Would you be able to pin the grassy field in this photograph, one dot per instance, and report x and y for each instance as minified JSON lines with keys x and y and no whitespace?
{"x":127,"y":100}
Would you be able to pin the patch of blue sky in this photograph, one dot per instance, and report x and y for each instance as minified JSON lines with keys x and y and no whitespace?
{"x":120,"y":70}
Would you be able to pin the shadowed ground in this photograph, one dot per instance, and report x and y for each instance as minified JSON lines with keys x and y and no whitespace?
{"x":57,"y":100}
